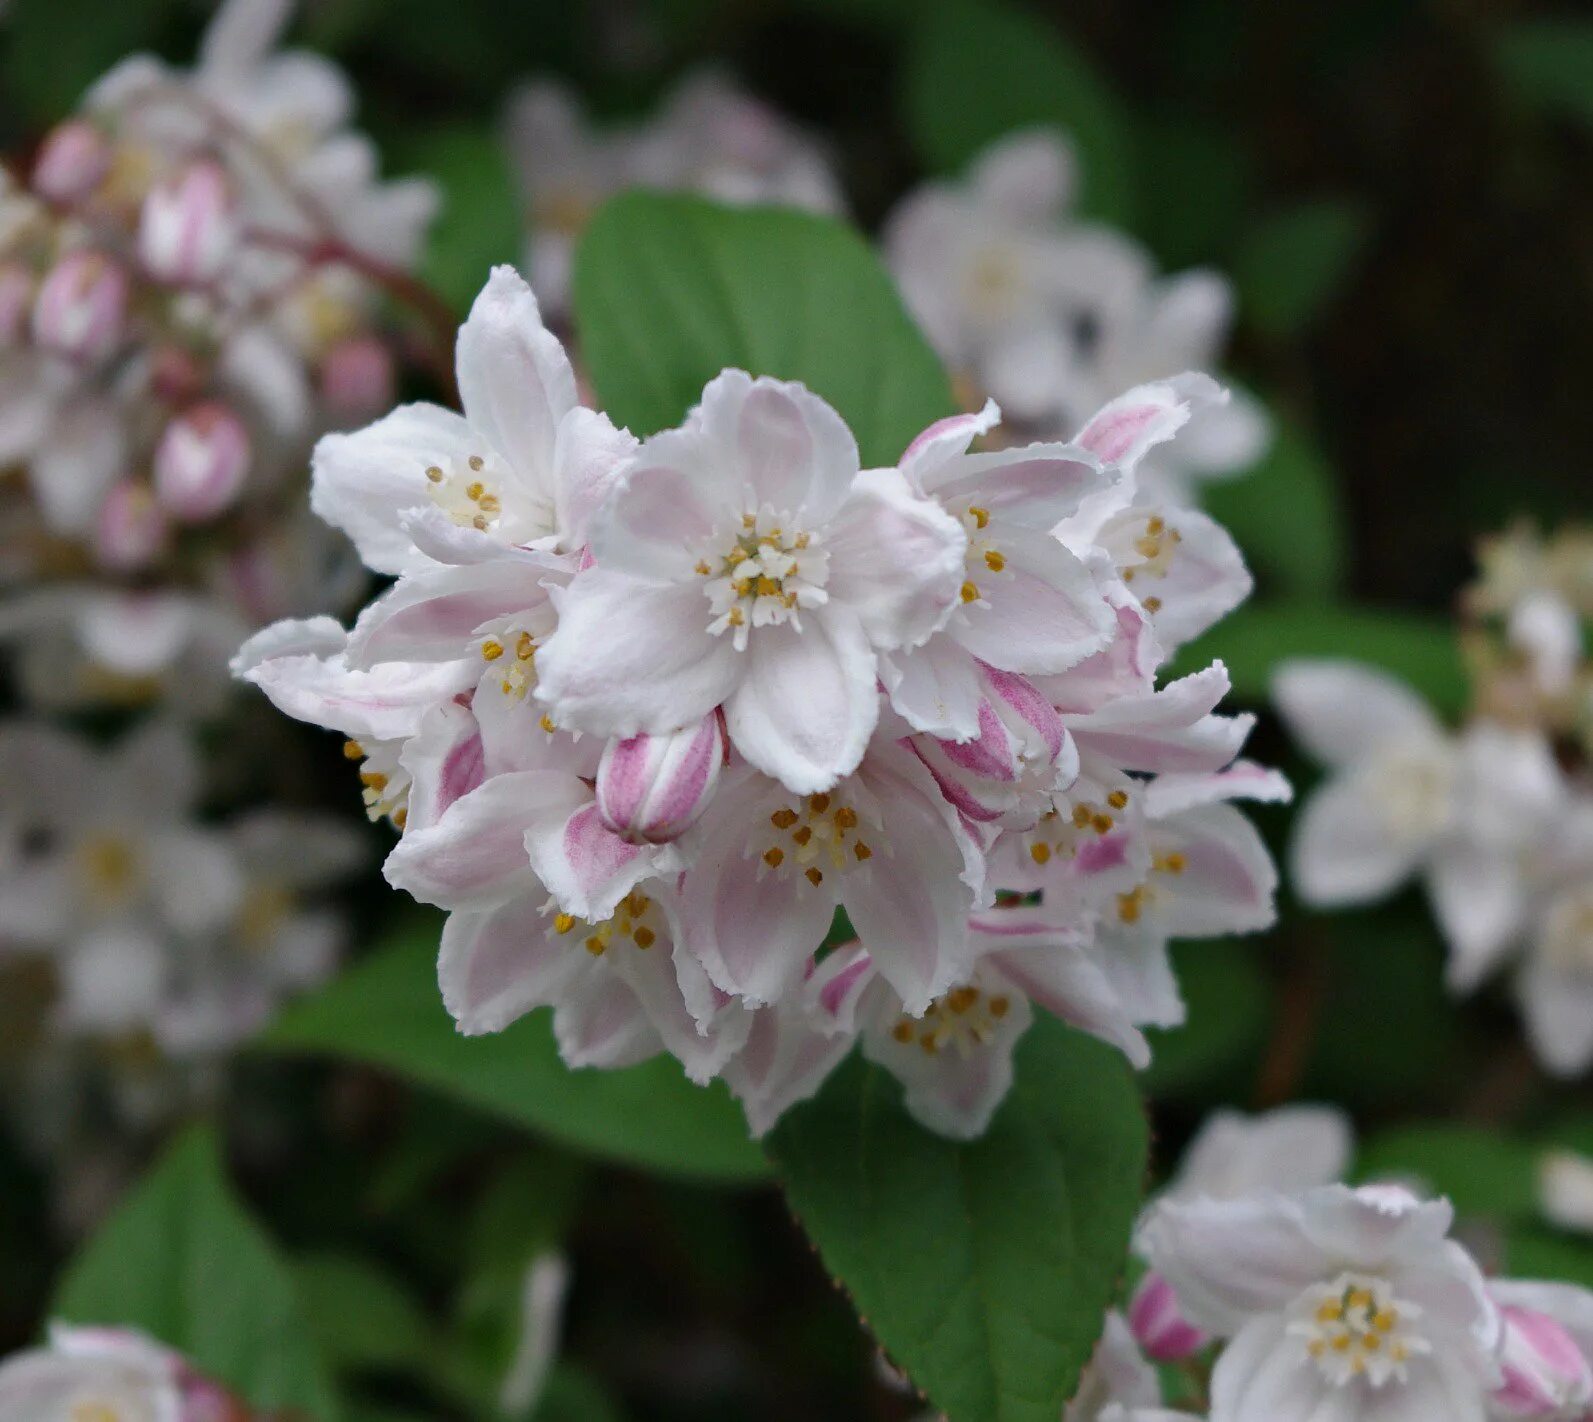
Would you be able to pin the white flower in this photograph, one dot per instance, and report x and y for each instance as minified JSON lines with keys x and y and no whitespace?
{"x":1118,"y":1382}
{"x":1289,"y":1149}
{"x":1338,"y":1303}
{"x":1547,"y":1354}
{"x":1053,"y":317}
{"x":745,"y":559}
{"x":107,"y":1375}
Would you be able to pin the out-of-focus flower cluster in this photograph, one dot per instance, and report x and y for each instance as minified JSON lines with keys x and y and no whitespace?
{"x":1496,"y":819}
{"x":200,"y":273}
{"x":1312,"y":1299}
{"x":648,"y":714}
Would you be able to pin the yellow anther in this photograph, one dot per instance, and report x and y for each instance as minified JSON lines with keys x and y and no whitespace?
{"x":1128,"y":907}
{"x":644,"y":937}
{"x":970,"y":592}
{"x":1330,"y":1312}
{"x":491,"y":650}
{"x":595,"y":946}
{"x":525,"y":646}
{"x":1341,"y":1343}
{"x":476,"y":462}
{"x":1154,"y":525}
{"x":999,"y":1006}
{"x":929,"y":1044}
{"x":1082,"y":814}
{"x":774,"y":857}
{"x":374,"y":778}
{"x":1359,"y":1298}
{"x":736,"y":616}
{"x":846,"y":818}
{"x":474,"y":490}
{"x":1040,"y":853}
{"x":981,"y":517}
{"x":1385,"y":1320}
{"x":563,"y":922}
{"x":547,"y":723}
{"x":803,"y":835}
{"x":818,"y":803}
{"x":768,"y":587}
{"x":400,"y":817}
{"x":1152,"y":604}
{"x":1173,"y":863}
{"x":489,"y":504}
{"x":862,"y":851}
{"x":783,"y":819}
{"x":434,"y":474}
{"x":961,"y":999}
{"x":1101,"y":823}
{"x":1118,"y":799}
{"x":749,"y":521}
{"x":353,"y":750}
{"x":814,"y":877}
{"x":903,"y":1031}
{"x":995,"y":561}
{"x":703,"y":569}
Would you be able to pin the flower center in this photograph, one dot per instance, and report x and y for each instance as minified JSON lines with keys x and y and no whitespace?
{"x":468,"y":493}
{"x":1153,"y":549}
{"x":384,"y":782}
{"x":109,"y":868}
{"x":1355,"y":1327}
{"x":761,"y":576}
{"x":94,"y":1409}
{"x":636,"y":921}
{"x":994,"y":284}
{"x":821,"y":837}
{"x":962,"y":1020}
{"x":983,"y":559}
{"x":513,"y":655}
{"x":1059,"y":836}
{"x":1414,"y":791}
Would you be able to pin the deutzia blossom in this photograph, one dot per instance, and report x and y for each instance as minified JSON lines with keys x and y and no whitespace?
{"x":1336,"y":1303}
{"x":746,"y":560}
{"x":1052,"y":316}
{"x":100,"y":1373}
{"x":1547,"y":1352}
{"x":707,"y":137}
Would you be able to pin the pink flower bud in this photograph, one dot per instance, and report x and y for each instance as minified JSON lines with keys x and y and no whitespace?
{"x":73,"y":159}
{"x":189,"y":225}
{"x":1545,"y":1373}
{"x":1158,"y":1324}
{"x":653,"y":788}
{"x":131,"y":528}
{"x":81,"y":309}
{"x":201,"y":461}
{"x":16,"y":300}
{"x":357,"y":378}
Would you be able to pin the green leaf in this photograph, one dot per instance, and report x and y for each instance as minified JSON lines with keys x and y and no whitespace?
{"x":181,"y":1260}
{"x":1230,"y":1004}
{"x":56,"y":49}
{"x":669,"y":290}
{"x":478,"y":224}
{"x":984,"y":1268}
{"x":1547,"y":63}
{"x":1539,"y":1253}
{"x":1286,"y":517}
{"x":977,"y":71}
{"x":1292,"y":264}
{"x":1253,"y":640}
{"x":361,"y":1317}
{"x":1482,"y":1172}
{"x":387,"y":1011}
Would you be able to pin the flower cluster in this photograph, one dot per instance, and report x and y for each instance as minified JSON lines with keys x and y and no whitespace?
{"x":1496,"y":820}
{"x":649,"y":713}
{"x":1053,"y":316}
{"x":109,"y":1375}
{"x":1328,"y":1301}
{"x":708,"y":136}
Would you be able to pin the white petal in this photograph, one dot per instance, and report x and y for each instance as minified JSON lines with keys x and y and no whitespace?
{"x":1480,"y":900}
{"x":807,"y":703}
{"x":1343,"y":851}
{"x":495,"y":967}
{"x":445,"y":762}
{"x":588,"y":459}
{"x":1205,"y":579}
{"x":1036,"y":486}
{"x":1342,"y":711}
{"x":935,"y":688}
{"x":1228,"y":881}
{"x":1289,"y":1149}
{"x":586,"y":866}
{"x":383,"y":704}
{"x":945,"y":440}
{"x":474,"y":857}
{"x":1559,"y":1012}
{"x":785,"y":1060}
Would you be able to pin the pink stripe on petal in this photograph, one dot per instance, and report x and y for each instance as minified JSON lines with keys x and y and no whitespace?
{"x":463,"y":770}
{"x":594,"y":852}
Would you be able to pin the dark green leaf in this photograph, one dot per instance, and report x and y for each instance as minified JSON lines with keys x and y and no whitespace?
{"x":387,"y":1011}
{"x":983,"y":1268}
{"x":56,"y":49}
{"x":1286,"y":516}
{"x":1253,"y":640}
{"x":1482,"y":1172}
{"x":1292,"y":264}
{"x":181,"y":1260}
{"x":1548,"y":64}
{"x":1229,"y":1001}
{"x":361,"y":1318}
{"x":1537,"y":1253}
{"x":977,"y":71}
{"x":671,"y":290}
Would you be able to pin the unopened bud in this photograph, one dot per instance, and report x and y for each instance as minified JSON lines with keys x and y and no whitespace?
{"x":653,"y":788}
{"x":189,"y":226}
{"x":1545,"y":1373}
{"x":73,"y":160}
{"x":201,"y":461}
{"x":131,"y":528}
{"x":81,"y":309}
{"x":16,"y":300}
{"x":1159,"y":1325}
{"x":357,"y":378}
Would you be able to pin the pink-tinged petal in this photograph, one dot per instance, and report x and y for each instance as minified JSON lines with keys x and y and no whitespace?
{"x":293,"y":636}
{"x":586,"y":867}
{"x":1342,"y":711}
{"x":1036,"y":486}
{"x":1041,"y":613}
{"x":474,"y":857}
{"x":440,"y":538}
{"x":495,"y":967}
{"x":445,"y":763}
{"x":1569,"y":1305}
{"x":1343,"y":850}
{"x":910,"y":901}
{"x":945,"y":440}
{"x":785,"y":1060}
{"x":515,"y":381}
{"x":935,"y":688}
{"x":1229,"y":1261}
{"x":654,"y":788}
{"x":792,"y":452}
{"x":433,"y":616}
{"x":1199,"y":582}
{"x":1168,"y":730}
{"x":588,"y":460}
{"x":807,"y":703}
{"x":1227,"y":883}
{"x":1024,"y":709}
{"x":1139,"y":973}
{"x":383,"y":704}
{"x":655,"y":977}
{"x":603,"y":1024}
{"x":1122,"y":431}
{"x":1545,"y":1373}
{"x":631,"y":656}
{"x":514,"y":736}
{"x":1159,"y":1326}
{"x":752,"y":927}
{"x":1126,"y":667}
{"x":837,"y":988}
{"x":362,"y":483}
{"x":1063,"y":978}
{"x":665,"y":503}
{"x":895,"y":559}
{"x":1176,"y":791}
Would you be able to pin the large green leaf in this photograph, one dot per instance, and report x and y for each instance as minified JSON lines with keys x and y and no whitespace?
{"x":1253,"y":640}
{"x":1293,"y":263}
{"x":977,"y":71}
{"x":1547,"y":63}
{"x":1229,"y":1001}
{"x":983,"y":1268}
{"x":1483,"y":1172}
{"x":183,"y":1261}
{"x":387,"y":1011}
{"x":1286,"y":516}
{"x":669,"y":290}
